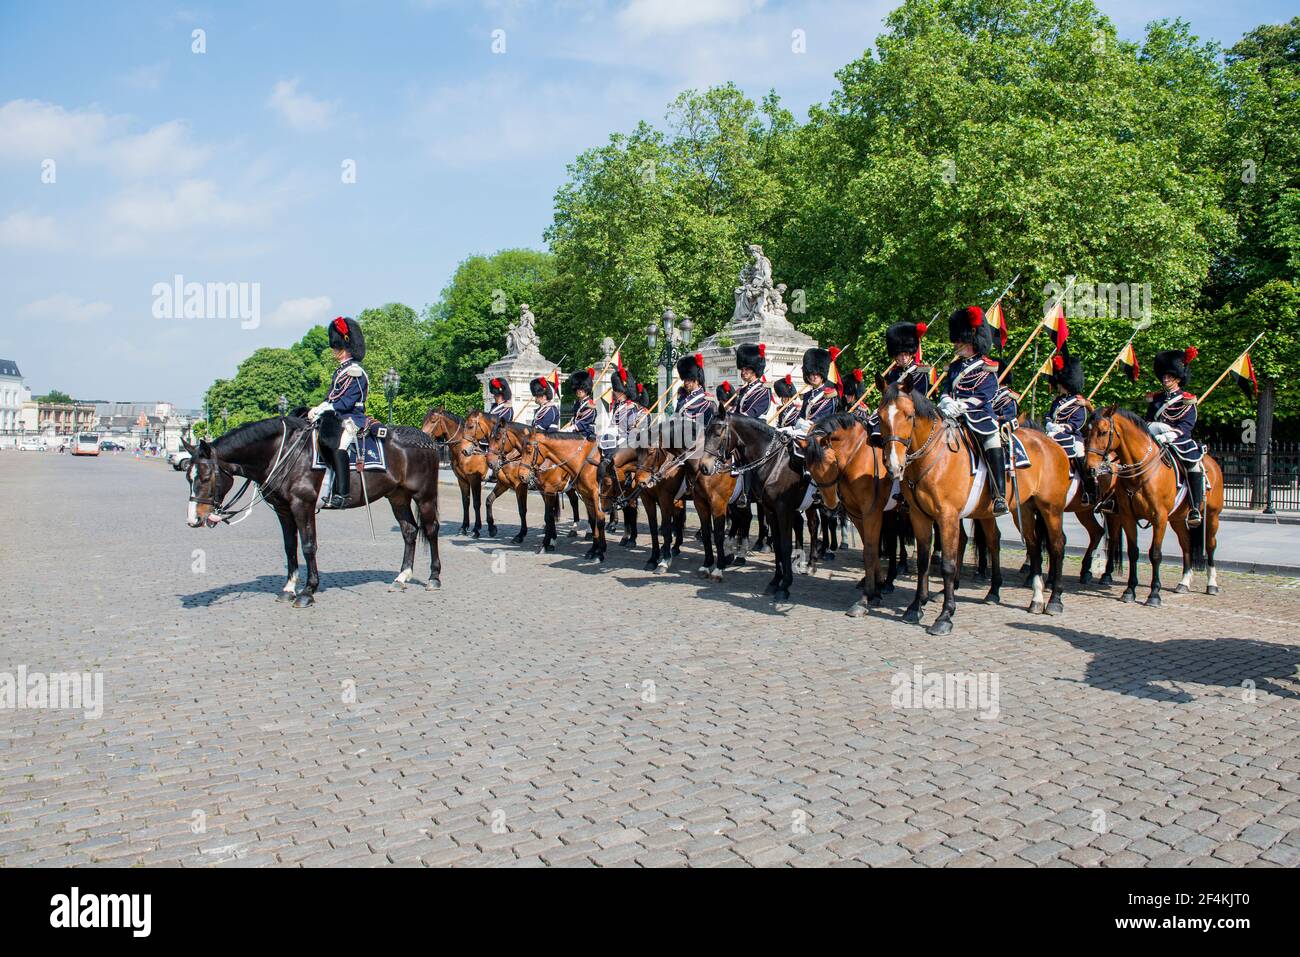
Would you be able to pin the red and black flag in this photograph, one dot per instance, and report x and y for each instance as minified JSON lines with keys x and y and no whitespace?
{"x":1243,"y":372}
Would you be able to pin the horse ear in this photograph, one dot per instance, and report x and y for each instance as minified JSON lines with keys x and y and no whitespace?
{"x":880,"y":383}
{"x":205,"y":450}
{"x":185,"y":444}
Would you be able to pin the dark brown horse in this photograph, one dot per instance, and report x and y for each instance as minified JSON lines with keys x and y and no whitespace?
{"x":1119,"y":445}
{"x":467,"y":463}
{"x":276,"y":455}
{"x":655,"y":477}
{"x":928,"y":456}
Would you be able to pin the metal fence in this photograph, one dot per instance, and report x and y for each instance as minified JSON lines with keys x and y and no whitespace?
{"x":1270,"y":481}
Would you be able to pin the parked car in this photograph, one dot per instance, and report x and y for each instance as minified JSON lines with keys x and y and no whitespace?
{"x":108,"y":445}
{"x":179,"y":460}
{"x":31,"y":445}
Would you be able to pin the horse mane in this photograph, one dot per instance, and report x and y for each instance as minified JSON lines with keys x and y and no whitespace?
{"x":240,"y":437}
{"x":924,"y":407}
{"x":410,"y":435}
{"x":443,"y":410}
{"x":1034,"y":425}
{"x":1133,"y":417}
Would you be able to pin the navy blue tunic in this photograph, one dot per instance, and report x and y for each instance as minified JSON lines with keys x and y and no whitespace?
{"x":1177,"y":409}
{"x":348,"y":391}
{"x":974,"y":381}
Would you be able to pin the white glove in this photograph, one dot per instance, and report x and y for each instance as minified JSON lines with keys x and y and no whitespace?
{"x":315,"y":412}
{"x":1052,"y":428}
{"x":950,"y":407}
{"x":1158,"y":429}
{"x":1164,"y":438}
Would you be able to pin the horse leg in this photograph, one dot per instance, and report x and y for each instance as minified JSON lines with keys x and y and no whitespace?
{"x":598,"y":540}
{"x":428,"y":507}
{"x":305,"y":516}
{"x":784,"y":567}
{"x":1156,"y":555}
{"x":992,"y":538}
{"x":719,"y":542}
{"x":921,"y":528}
{"x":1030,"y":531}
{"x":679,"y":526}
{"x":1131,"y":540}
{"x":1184,"y":535}
{"x":706,"y":537}
{"x":652,"y":520}
{"x":290,"y":533}
{"x":401,"y":506}
{"x":1211,"y":529}
{"x":1114,"y":549}
{"x":629,"y":525}
{"x":1056,"y":561}
{"x":551,"y":511}
{"x":487,"y":507}
{"x":1088,"y":519}
{"x":521,"y":502}
{"x":476,"y":489}
{"x":464,"y":504}
{"x":951,"y":532}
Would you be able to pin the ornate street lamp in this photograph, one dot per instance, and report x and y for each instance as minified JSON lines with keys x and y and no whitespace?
{"x":283,"y":405}
{"x":677,"y":340}
{"x":391,"y":383}
{"x":225,"y":419}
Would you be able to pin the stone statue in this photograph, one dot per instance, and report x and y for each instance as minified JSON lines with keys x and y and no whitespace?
{"x":522,"y":339}
{"x":755,"y":296}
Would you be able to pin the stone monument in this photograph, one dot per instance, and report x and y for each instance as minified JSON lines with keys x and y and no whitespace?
{"x":759,"y":315}
{"x":522,"y":362}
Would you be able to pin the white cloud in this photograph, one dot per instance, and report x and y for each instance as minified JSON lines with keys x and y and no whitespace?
{"x":302,"y":111}
{"x":65,"y":308}
{"x":31,"y":130}
{"x":147,"y":78}
{"x":192,"y":203}
{"x":27,"y":231}
{"x":301,"y":313}
{"x":668,"y":16}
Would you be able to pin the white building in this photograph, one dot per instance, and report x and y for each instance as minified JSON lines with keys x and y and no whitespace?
{"x":13,"y":393}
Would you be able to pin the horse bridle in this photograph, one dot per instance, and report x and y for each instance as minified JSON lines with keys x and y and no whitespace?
{"x":915,"y":455}
{"x":1121,"y":471}
{"x":839,"y":469}
{"x":226,"y":512}
{"x":727,"y":457}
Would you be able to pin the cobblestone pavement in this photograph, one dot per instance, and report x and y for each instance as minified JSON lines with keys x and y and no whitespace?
{"x":539,"y":711}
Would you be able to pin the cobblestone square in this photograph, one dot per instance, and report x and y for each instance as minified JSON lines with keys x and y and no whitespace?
{"x":540,"y":710}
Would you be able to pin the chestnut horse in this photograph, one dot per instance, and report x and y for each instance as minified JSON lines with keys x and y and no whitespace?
{"x":847,"y":468}
{"x":512,"y":473}
{"x":467,"y":462}
{"x":929,"y":457}
{"x":1120,"y":445}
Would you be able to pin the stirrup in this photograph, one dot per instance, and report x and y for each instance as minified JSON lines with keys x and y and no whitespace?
{"x":1000,"y":505}
{"x":1193,"y":517}
{"x":335,"y":501}
{"x":1106,"y":506}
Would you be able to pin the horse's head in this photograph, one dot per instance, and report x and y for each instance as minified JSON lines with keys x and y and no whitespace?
{"x":437,"y":424}
{"x":719,"y":446}
{"x":822,"y":453}
{"x":1104,"y":441}
{"x":478,"y":426}
{"x":209,"y":484}
{"x":902,"y":416}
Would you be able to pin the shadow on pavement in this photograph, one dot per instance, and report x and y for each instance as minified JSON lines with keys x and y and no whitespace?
{"x":271,"y":585}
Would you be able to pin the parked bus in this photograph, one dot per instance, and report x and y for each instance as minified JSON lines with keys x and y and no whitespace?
{"x":86,"y":443}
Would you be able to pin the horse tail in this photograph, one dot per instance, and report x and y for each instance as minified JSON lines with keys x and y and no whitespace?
{"x":1040,"y":528}
{"x":904,"y":525}
{"x":1197,"y":535}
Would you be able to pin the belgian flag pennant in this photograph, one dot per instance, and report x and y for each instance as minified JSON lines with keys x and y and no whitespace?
{"x":1128,"y":358}
{"x":998,"y":320}
{"x":1243,"y":373}
{"x":1055,"y":322}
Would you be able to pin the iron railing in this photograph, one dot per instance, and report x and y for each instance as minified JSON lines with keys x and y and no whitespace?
{"x":1264,"y":480}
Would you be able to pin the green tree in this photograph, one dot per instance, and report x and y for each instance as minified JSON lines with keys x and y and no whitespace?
{"x":56,"y":396}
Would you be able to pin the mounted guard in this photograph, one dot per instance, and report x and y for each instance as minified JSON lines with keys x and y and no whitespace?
{"x":584,"y":409}
{"x":1172,"y":416}
{"x":502,"y":410}
{"x":1006,"y":404}
{"x":546,"y":418}
{"x":755,"y":398}
{"x":968,"y":392}
{"x":790,"y":409}
{"x":822,"y":399}
{"x":343,"y":413}
{"x":903,"y":343}
{"x":1067,"y":417}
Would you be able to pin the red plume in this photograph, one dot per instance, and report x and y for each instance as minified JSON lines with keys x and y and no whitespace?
{"x":726,"y":386}
{"x":857,"y":375}
{"x":699,"y":359}
{"x":591,"y":372}
{"x":1191,"y":353}
{"x":835,"y":352}
{"x":762,"y":351}
{"x":976,"y":316}
{"x":1058,"y":363}
{"x":920,"y":329}
{"x":341,"y":325}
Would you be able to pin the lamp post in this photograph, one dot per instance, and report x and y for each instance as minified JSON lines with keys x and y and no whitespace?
{"x":283,"y":405}
{"x":225,"y":419}
{"x":391,"y":383}
{"x":677,"y":339}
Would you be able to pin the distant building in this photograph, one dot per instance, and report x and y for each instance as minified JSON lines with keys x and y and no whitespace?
{"x":57,"y":418}
{"x":13,"y":393}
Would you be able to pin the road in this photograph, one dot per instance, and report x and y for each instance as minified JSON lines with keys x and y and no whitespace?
{"x":542,"y":711}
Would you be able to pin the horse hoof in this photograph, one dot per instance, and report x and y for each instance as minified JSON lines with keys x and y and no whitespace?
{"x":464,"y":529}
{"x":940,"y":628}
{"x":1153,"y":601}
{"x":285,"y":596}
{"x":704,"y":571}
{"x":1211,"y":589}
{"x":887,"y":588}
{"x":676,"y":550}
{"x":715,"y":575}
{"x":1181,"y":589}
{"x":1085,"y":577}
{"x":1128,"y":597}
{"x":304,"y":601}
{"x":661,"y":568}
{"x":651,"y":564}
{"x":573,"y":533}
{"x":992,"y":598}
{"x":739,"y":560}
{"x":548,"y":547}
{"x":517,"y":539}
{"x":875,"y":601}
{"x":433,"y":584}
{"x":1055,"y":608}
{"x":856,"y":610}
{"x":397,"y":586}
{"x":912,"y":616}
{"x":1035,"y":608}
{"x":1106,"y":580}
{"x":492,"y":531}
{"x":781,"y":594}
{"x":828,"y":556}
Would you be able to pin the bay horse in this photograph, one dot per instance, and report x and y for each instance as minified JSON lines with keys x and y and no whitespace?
{"x":929,"y":457}
{"x":276,"y":454}
{"x":740,"y":443}
{"x":1120,"y":445}
{"x":513,"y":473}
{"x":467,"y":463}
{"x":847,"y":468}
{"x":654,"y":479}
{"x":572,"y":452}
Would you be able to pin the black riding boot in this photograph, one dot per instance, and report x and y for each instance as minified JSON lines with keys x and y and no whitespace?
{"x":342,"y":480}
{"x":746,"y":489}
{"x":1196,"y":488}
{"x":996,"y":461}
{"x":1088,"y":480}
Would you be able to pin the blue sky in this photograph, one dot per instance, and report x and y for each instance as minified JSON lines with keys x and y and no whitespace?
{"x":225,"y":166}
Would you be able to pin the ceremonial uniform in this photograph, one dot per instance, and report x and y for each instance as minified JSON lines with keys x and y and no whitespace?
{"x":1067,"y":417}
{"x":547,"y":416}
{"x":853,"y":390}
{"x":584,"y":410}
{"x":343,"y":413}
{"x":785,"y":392}
{"x":821,"y":401}
{"x":755,"y":398}
{"x":501,"y":409}
{"x":696,"y":405}
{"x":1171,"y":415}
{"x":968,"y":392}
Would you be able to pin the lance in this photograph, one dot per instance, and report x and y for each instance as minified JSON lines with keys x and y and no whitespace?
{"x":1060,"y":300}
{"x":1114,"y":362}
{"x":776,"y":413}
{"x":1205,"y":395}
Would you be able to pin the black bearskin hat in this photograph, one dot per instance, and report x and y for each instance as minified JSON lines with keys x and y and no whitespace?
{"x":816,"y":362}
{"x":853,"y":385}
{"x":752,"y":357}
{"x":499,"y":387}
{"x":725,"y":391}
{"x":345,"y":333}
{"x":642,"y":396}
{"x":967,"y":325}
{"x":904,"y":337}
{"x":784,"y":387}
{"x":1175,"y":362}
{"x":691,"y":368}
{"x":622,"y":383}
{"x":1067,"y":372}
{"x":540,"y":387}
{"x":581,"y":381}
